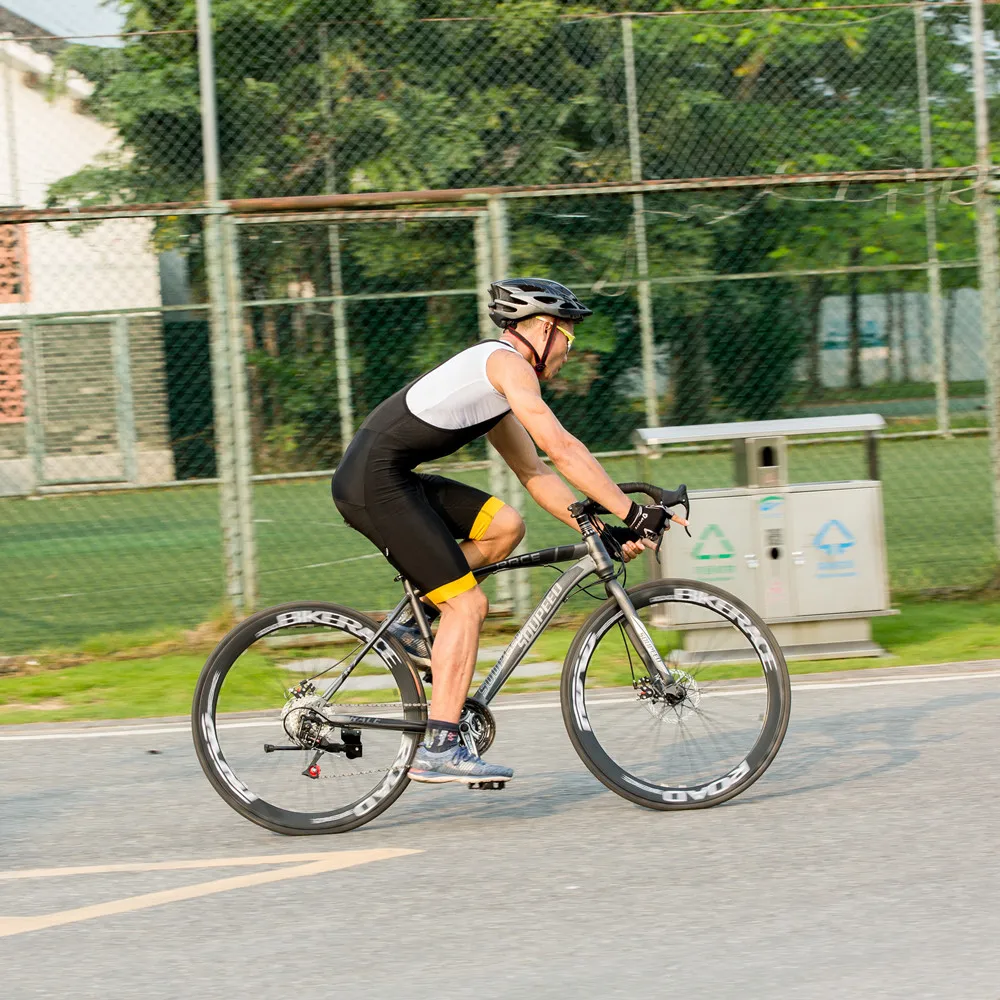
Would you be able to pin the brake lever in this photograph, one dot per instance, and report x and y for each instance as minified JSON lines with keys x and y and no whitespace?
{"x":676,"y":519}
{"x":685,"y":500}
{"x":675,"y":498}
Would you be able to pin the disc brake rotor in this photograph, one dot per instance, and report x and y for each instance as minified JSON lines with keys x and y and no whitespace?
{"x":673,"y":708}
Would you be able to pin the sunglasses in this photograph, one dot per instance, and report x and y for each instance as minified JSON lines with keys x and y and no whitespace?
{"x":570,"y":337}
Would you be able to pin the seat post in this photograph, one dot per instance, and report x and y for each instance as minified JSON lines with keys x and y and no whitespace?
{"x":418,"y":612}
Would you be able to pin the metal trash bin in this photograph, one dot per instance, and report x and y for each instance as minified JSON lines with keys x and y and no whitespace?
{"x":810,"y":558}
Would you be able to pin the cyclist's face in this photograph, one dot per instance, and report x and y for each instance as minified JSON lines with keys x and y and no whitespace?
{"x":563,"y":335}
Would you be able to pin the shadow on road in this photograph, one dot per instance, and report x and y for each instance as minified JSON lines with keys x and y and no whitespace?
{"x":830,"y":748}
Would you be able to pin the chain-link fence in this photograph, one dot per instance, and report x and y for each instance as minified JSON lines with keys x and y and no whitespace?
{"x":772,"y":212}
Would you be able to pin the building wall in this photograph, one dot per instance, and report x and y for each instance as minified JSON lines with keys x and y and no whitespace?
{"x":878,"y":363}
{"x":52,"y":138}
{"x":73,"y":268}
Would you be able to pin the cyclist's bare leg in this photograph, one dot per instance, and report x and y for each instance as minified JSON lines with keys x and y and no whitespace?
{"x":453,"y":659}
{"x":502,"y":536}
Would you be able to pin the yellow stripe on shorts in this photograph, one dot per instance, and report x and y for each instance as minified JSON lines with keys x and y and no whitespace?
{"x":485,"y":518}
{"x":453,"y":589}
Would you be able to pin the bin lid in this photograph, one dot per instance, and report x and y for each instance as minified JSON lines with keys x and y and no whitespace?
{"x":648,"y":436}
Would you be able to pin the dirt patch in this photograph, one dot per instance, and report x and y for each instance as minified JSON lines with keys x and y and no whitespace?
{"x":47,"y":705}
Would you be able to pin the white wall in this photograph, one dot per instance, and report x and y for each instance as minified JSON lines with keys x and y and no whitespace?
{"x":967,"y":362}
{"x":109,"y":267}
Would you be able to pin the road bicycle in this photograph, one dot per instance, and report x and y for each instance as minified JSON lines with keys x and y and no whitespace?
{"x":703,"y":711}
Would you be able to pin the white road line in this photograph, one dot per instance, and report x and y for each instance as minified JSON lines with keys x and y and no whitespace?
{"x":802,"y":686}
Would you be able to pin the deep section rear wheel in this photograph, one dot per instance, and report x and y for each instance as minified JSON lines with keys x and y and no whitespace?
{"x":259,"y":727}
{"x":701,"y":743}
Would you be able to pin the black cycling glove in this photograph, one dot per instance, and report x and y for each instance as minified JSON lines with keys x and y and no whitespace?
{"x":616,"y":537}
{"x":648,"y":521}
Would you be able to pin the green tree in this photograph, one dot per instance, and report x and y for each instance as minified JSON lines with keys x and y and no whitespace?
{"x":345,"y":95}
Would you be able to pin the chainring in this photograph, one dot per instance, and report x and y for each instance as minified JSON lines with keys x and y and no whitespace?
{"x":477,"y":724}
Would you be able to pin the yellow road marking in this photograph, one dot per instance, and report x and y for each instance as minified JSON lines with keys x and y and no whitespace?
{"x":316,"y":864}
{"x":169,"y":866}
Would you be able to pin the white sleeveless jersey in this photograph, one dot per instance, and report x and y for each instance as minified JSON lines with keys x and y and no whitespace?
{"x":458,"y":394}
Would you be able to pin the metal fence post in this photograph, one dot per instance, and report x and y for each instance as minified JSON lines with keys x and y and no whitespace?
{"x":500,"y":257}
{"x":34,"y":431}
{"x":487,"y":331}
{"x":219,"y":344}
{"x":986,"y":233}
{"x":930,"y":220}
{"x":124,"y":401}
{"x":341,"y":346}
{"x":639,"y":223}
{"x":240,"y":390}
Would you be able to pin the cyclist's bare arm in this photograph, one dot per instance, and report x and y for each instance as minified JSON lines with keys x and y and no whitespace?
{"x":543,"y":483}
{"x":546,"y":487}
{"x":512,"y":376}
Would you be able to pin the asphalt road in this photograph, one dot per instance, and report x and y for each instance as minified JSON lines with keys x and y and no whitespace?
{"x":865,"y":863}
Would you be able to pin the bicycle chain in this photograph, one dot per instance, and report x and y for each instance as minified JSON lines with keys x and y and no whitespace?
{"x":375,"y":704}
{"x":354,"y":774}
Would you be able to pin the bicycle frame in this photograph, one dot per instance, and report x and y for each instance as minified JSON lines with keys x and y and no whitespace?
{"x":591,"y":557}
{"x":535,"y":624}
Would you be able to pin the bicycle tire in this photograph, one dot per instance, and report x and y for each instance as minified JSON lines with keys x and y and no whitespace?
{"x":232,"y":788}
{"x":641,"y":790}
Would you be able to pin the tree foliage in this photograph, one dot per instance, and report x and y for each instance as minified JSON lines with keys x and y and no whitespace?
{"x":345,"y":95}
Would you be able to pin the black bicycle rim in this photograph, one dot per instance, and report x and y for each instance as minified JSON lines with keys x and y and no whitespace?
{"x":232,"y":725}
{"x":764,"y":700}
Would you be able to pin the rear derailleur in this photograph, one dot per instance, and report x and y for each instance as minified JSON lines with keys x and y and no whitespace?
{"x":309,"y":730}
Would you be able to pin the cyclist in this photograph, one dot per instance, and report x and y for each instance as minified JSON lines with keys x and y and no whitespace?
{"x":489,"y":389}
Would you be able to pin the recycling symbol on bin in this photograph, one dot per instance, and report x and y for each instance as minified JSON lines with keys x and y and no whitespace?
{"x":713,"y":544}
{"x":834,"y":539}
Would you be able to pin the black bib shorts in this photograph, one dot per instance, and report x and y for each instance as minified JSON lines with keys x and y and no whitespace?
{"x":413,"y":518}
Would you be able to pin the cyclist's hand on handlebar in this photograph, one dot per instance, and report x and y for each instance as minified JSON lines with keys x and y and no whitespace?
{"x":624,"y":540}
{"x":648,"y":521}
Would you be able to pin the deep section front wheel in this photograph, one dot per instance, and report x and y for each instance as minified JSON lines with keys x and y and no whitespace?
{"x":262,"y":710}
{"x":700,"y":741}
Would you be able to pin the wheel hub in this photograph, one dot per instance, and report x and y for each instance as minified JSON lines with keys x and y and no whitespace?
{"x":301,"y":717}
{"x":674,"y":704}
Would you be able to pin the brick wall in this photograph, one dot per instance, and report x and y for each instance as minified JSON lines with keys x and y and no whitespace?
{"x":76,"y":382}
{"x":78,"y":386}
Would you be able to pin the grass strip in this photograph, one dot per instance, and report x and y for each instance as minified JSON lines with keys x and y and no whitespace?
{"x":145,"y":683}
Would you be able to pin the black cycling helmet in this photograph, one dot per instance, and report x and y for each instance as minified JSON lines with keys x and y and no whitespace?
{"x":514,"y":299}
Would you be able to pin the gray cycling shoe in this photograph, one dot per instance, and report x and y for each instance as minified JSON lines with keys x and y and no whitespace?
{"x":455,"y":764}
{"x":412,"y":640}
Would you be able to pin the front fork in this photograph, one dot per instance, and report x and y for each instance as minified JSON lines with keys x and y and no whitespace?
{"x":635,"y":629}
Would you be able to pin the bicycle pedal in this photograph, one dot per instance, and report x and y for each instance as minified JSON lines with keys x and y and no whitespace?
{"x":488,"y":785}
